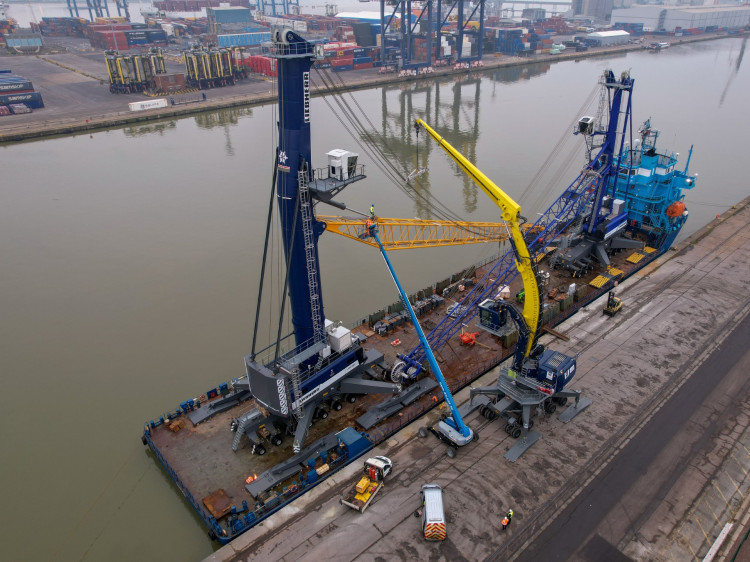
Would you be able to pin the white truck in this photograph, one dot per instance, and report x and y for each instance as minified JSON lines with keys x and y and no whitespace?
{"x":360,"y":495}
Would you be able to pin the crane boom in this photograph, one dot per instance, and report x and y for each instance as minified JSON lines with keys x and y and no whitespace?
{"x":511,"y":213}
{"x":454,"y":427}
{"x":404,"y":234}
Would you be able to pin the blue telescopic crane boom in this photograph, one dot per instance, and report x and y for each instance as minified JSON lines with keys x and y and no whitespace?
{"x":456,"y":423}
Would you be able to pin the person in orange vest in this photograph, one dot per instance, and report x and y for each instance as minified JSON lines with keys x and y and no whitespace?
{"x":505,"y":522}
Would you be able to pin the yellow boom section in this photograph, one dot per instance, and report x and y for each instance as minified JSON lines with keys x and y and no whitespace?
{"x":404,"y":234}
{"x":511,"y":212}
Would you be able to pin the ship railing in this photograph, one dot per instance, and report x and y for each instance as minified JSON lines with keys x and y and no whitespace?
{"x":310,"y":347}
{"x":322,"y":174}
{"x":273,"y":49}
{"x":385,"y":430}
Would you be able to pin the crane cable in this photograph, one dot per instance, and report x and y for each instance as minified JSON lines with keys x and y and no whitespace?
{"x":380,"y":159}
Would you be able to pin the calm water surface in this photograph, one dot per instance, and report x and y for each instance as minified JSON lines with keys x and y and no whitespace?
{"x":130,"y":264}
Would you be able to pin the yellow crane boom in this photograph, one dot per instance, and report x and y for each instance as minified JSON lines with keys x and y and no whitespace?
{"x":403,"y":234}
{"x":511,"y":213}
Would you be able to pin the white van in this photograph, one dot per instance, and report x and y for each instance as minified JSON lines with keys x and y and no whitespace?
{"x":433,"y":518}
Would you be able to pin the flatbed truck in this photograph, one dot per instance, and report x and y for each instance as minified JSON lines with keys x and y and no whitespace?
{"x":362,"y":493}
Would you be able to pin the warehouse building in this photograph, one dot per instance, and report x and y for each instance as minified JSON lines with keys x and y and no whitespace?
{"x":669,"y":18}
{"x":607,"y":38}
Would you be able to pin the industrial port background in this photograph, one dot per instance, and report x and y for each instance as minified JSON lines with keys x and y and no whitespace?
{"x":75,"y":87}
{"x":702,"y":431}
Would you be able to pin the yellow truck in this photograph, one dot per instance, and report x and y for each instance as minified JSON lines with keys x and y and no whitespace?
{"x":361,"y":494}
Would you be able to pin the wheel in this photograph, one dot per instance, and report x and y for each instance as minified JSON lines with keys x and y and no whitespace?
{"x":550,"y":407}
{"x":422,"y":432}
{"x":336,"y":405}
{"x":276,"y":440}
{"x":561,"y":400}
{"x":323,"y":413}
{"x":260,"y":450}
{"x":491,"y":415}
{"x":483,"y":411}
{"x":398,"y":371}
{"x":351,"y":398}
{"x":451,"y":452}
{"x":516,"y":433}
{"x":531,"y":424}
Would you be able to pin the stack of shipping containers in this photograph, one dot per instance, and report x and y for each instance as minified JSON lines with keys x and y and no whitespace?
{"x":17,"y":94}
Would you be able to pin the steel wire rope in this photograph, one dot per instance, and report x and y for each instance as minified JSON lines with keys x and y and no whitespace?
{"x":441,"y":210}
{"x":564,"y":138}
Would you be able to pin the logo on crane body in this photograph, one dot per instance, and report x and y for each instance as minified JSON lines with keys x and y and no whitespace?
{"x":282,"y":161}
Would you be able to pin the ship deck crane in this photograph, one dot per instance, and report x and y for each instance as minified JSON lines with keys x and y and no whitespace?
{"x":452,"y":429}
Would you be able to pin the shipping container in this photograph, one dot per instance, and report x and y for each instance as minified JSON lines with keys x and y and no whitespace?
{"x":32,"y":99}
{"x":169,"y":82}
{"x":148,"y":104}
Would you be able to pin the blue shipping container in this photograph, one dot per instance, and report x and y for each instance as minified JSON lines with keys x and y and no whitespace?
{"x":32,"y":99}
{"x":243,"y":39}
{"x":15,"y":85}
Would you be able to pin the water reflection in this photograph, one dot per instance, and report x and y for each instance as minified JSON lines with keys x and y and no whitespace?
{"x":159,"y":128}
{"x":512,"y":74}
{"x":734,"y":72}
{"x":222,"y":117}
{"x":451,"y":106}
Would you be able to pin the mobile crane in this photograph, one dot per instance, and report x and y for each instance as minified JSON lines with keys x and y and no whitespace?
{"x":451,"y":430}
{"x":537,"y":376}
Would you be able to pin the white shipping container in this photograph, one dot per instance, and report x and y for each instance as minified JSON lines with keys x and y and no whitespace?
{"x":148,"y":104}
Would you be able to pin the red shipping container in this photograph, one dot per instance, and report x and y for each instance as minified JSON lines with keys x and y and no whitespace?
{"x":362,"y":65}
{"x":342,"y":61}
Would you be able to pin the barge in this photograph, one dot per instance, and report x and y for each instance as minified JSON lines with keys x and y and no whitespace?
{"x":303,"y":410}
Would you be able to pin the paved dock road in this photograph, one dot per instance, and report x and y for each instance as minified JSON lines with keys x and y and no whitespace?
{"x":625,"y":495}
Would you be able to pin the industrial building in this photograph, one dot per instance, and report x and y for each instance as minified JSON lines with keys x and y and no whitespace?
{"x":599,"y":10}
{"x":607,"y":38}
{"x":671,"y":18}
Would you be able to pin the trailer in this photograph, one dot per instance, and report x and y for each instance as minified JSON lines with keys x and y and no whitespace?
{"x":361,"y":494}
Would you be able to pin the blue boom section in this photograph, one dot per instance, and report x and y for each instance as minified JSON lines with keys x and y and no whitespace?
{"x":295,"y":59}
{"x":605,"y":160}
{"x":456,"y":422}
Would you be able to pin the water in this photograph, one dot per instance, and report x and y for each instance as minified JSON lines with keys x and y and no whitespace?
{"x":130,"y":265}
